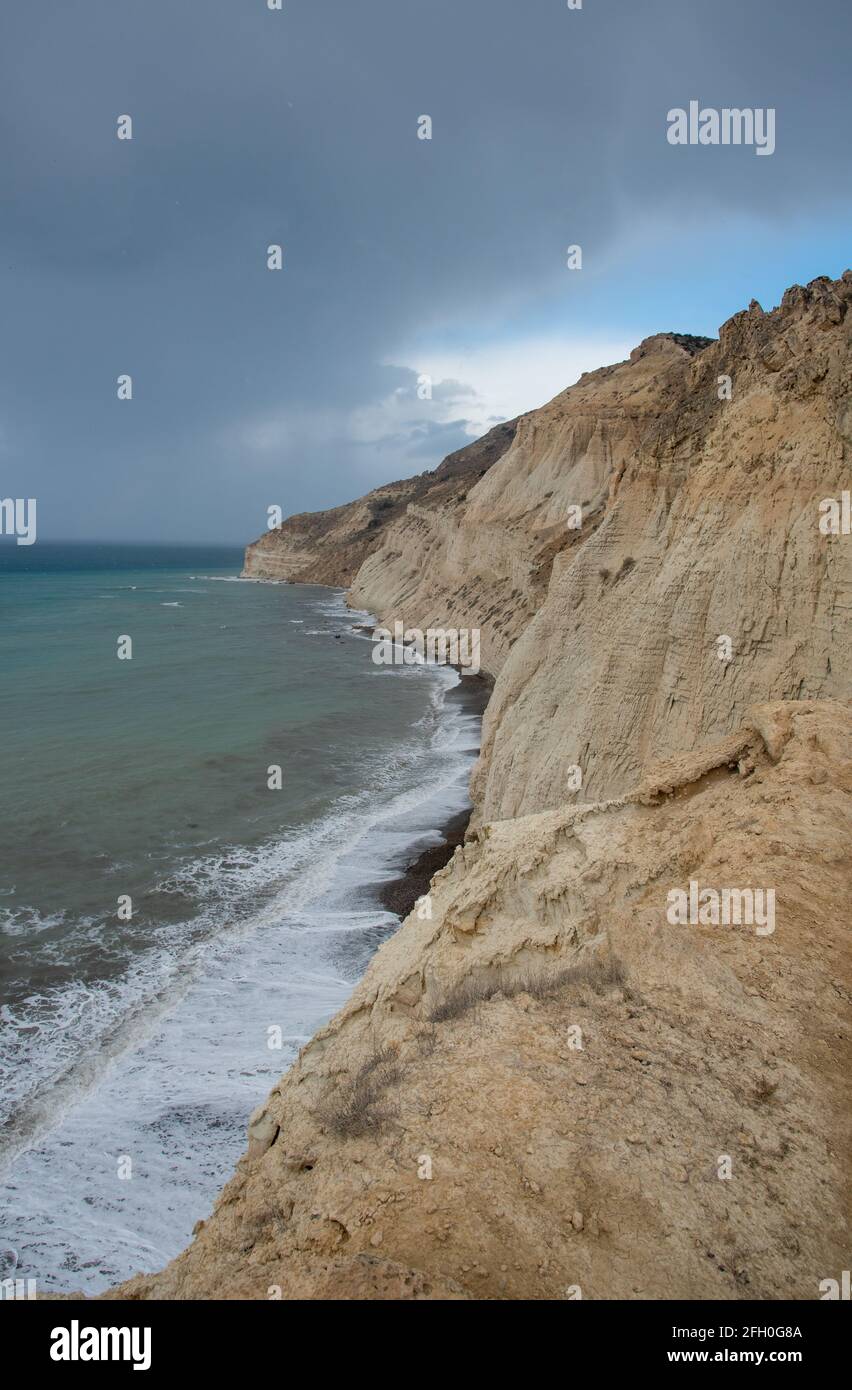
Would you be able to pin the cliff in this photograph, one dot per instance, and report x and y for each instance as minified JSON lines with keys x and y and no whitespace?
{"x":699,"y":520}
{"x":550,"y":1084}
{"x":538,"y":1090}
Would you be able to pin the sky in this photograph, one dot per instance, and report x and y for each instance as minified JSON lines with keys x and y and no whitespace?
{"x":402,"y":257}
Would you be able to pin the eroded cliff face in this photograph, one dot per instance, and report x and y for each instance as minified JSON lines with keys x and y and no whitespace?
{"x":541,"y":1089}
{"x":548,"y":1085}
{"x":700,"y":521}
{"x":709,"y":529}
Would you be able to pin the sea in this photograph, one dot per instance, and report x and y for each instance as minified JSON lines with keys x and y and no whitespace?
{"x":176,"y":917}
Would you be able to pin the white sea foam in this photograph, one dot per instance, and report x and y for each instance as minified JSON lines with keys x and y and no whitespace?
{"x":27,"y":921}
{"x":235,"y":579}
{"x":165,"y":1062}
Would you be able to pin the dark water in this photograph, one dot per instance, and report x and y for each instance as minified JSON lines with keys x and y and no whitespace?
{"x":147,"y":778}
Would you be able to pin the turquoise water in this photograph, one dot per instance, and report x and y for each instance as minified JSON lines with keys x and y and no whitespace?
{"x":251,"y":907}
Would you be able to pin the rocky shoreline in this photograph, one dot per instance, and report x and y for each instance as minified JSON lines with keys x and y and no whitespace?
{"x":400,"y":894}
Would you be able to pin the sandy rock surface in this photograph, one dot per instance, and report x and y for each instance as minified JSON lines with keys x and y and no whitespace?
{"x":537,"y":1090}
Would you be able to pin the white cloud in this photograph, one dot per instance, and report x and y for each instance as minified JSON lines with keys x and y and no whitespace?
{"x":509,"y":378}
{"x":472,"y":388}
{"x":403,"y":413}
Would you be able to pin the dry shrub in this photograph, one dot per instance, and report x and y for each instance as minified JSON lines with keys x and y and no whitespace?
{"x":599,"y":973}
{"x":359,"y":1108}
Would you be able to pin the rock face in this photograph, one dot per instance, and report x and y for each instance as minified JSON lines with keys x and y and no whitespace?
{"x":700,"y":520}
{"x":542,"y":1088}
{"x":704,"y":525}
{"x":553,"y":1084}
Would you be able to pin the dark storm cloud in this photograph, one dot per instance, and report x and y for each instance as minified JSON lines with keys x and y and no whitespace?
{"x":253,"y":127}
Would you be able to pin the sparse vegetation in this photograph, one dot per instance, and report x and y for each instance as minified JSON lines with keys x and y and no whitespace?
{"x":598,"y":974}
{"x":359,"y":1108}
{"x":764,"y":1090}
{"x":463,"y":996}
